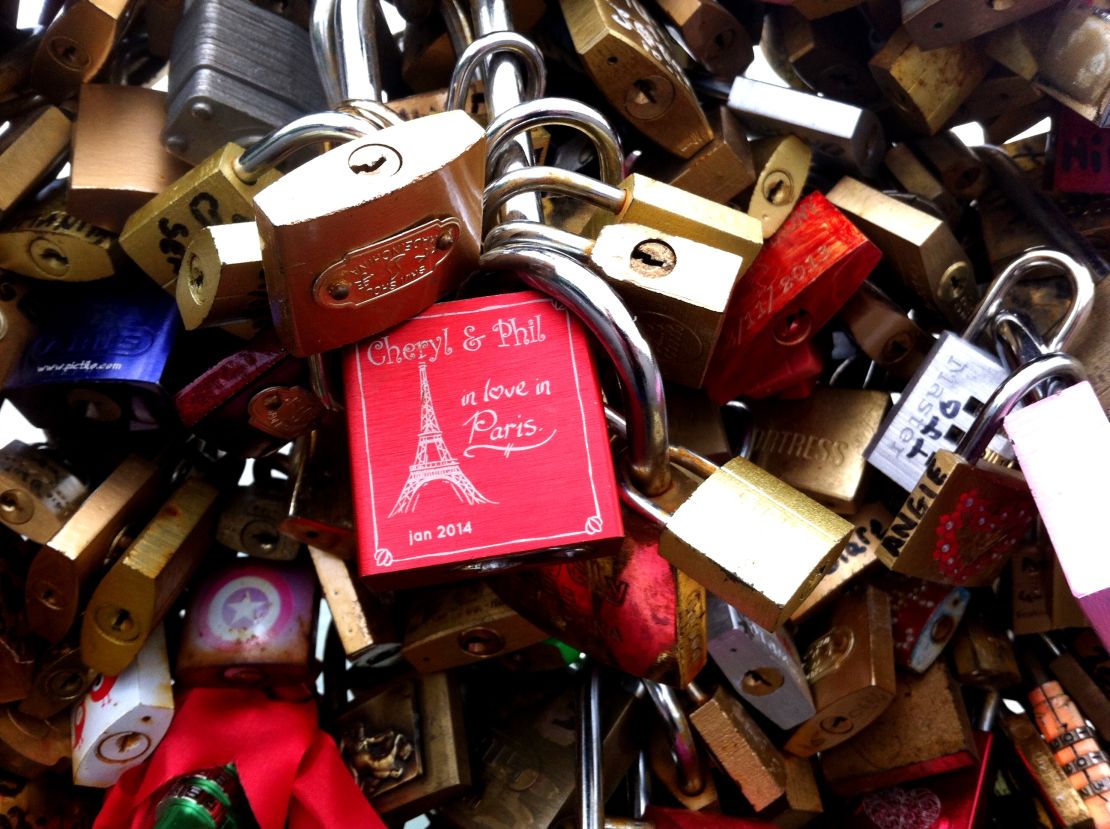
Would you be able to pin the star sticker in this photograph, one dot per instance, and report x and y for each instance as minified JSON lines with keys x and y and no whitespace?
{"x":246,"y":608}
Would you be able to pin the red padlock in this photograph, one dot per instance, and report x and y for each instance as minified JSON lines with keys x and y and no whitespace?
{"x":1081,"y":154}
{"x":802,"y":277}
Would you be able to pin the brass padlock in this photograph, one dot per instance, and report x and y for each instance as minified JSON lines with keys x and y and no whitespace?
{"x":455,"y":625}
{"x":923,"y":731}
{"x":400,"y":214}
{"x":136,"y":593}
{"x":67,"y":564}
{"x":697,"y":423}
{"x":783,"y":166}
{"x":983,"y":655}
{"x":959,"y":168}
{"x":364,"y":621}
{"x":936,"y":23}
{"x":927,"y":88}
{"x":1064,"y":72}
{"x":222,"y":280}
{"x":31,"y":151}
{"x":105,"y":187}
{"x":405,"y":743}
{"x":857,"y":561}
{"x":739,"y":746}
{"x":817,"y":444}
{"x":921,"y":248}
{"x":716,"y":39}
{"x":914,"y":177}
{"x":77,"y":44}
{"x":45,"y":242}
{"x":627,"y":55}
{"x":720,"y":170}
{"x":249,"y":519}
{"x":38,"y":493}
{"x":885,"y":333}
{"x":60,"y":680}
{"x":851,"y":671}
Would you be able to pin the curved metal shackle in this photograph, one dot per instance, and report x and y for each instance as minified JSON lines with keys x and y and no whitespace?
{"x":343,"y":37}
{"x":1083,"y":294}
{"x":472,"y":57}
{"x":989,"y":420}
{"x":268,"y":152}
{"x":683,"y":747}
{"x":605,"y":316}
{"x":324,"y":50}
{"x":1017,"y":339}
{"x":1045,"y":215}
{"x":558,"y":112}
{"x":552,"y":238}
{"x":549,"y":180}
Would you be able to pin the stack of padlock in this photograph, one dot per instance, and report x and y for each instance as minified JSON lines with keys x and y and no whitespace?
{"x":388,"y":473}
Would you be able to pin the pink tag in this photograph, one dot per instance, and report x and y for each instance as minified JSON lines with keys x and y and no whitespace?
{"x":477,"y":432}
{"x":1063,"y":445}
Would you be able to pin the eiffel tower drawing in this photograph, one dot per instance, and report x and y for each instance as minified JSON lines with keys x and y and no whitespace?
{"x":426,"y":469}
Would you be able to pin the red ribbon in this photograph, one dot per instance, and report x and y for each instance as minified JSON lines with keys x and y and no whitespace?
{"x":291,"y":771}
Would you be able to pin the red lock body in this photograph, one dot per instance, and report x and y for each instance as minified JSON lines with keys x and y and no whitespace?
{"x":477,"y":433}
{"x":1081,"y":161}
{"x":802,"y":277}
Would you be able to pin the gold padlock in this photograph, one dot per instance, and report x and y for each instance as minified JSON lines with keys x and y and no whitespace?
{"x":105,"y":185}
{"x":222,"y":280}
{"x":66,"y":565}
{"x":77,"y":44}
{"x":829,"y":55}
{"x":802,"y":802}
{"x":914,"y":177}
{"x":817,"y":444}
{"x":627,"y":55}
{"x":782,"y":163}
{"x":927,"y":88}
{"x":959,"y":168}
{"x":45,"y":242}
{"x":920,"y":247}
{"x":885,"y":333}
{"x":720,"y":170}
{"x":134,"y":596}
{"x":716,"y":39}
{"x":851,"y":670}
{"x":37,"y":493}
{"x":369,"y":234}
{"x":34,"y":147}
{"x":462,"y":624}
{"x":983,"y":655}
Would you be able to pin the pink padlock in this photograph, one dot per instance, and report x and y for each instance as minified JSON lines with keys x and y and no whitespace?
{"x":1063,"y":445}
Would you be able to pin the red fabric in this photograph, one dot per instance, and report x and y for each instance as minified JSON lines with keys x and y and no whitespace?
{"x":291,"y":770}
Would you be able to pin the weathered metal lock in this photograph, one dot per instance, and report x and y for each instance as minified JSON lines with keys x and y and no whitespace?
{"x":897,"y":748}
{"x":845,"y":134}
{"x":817,"y":444}
{"x":762,"y":667}
{"x":67,"y":564}
{"x":627,"y":55}
{"x":936,"y":23}
{"x":136,"y":593}
{"x":60,"y":680}
{"x":961,"y":799}
{"x":77,"y":44}
{"x":1079,"y":685}
{"x":857,"y":561}
{"x":454,"y":625}
{"x":252,"y":402}
{"x":406,"y":745}
{"x":959,"y":168}
{"x":920,"y":247}
{"x":739,"y":746}
{"x":924,"y":615}
{"x":496,"y":346}
{"x":983,"y":655}
{"x":31,"y":151}
{"x":885,"y":333}
{"x":851,"y":671}
{"x":398,"y":219}
{"x":321,"y":512}
{"x":1080,"y":35}
{"x":720,"y":170}
{"x":237,"y":71}
{"x":123,"y":718}
{"x":910,"y":79}
{"x":38,"y":493}
{"x":45,"y":242}
{"x":678,"y":289}
{"x":249,"y":521}
{"x":250,"y":623}
{"x":100,"y":360}
{"x":105,"y":188}
{"x":783,"y":167}
{"x":801,"y":278}
{"x":716,"y":39}
{"x":364,"y":621}
{"x":31,"y":747}
{"x":913,"y":176}
{"x":223,"y":282}
{"x":1049,"y":436}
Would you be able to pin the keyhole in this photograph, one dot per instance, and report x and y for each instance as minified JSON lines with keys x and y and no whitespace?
{"x":836,"y":724}
{"x":647,"y":91}
{"x":652,"y":258}
{"x":272,"y":402}
{"x":1000,"y":5}
{"x":16,"y":506}
{"x":374,"y":160}
{"x":778,"y":188}
{"x":48,"y":258}
{"x":761,"y":681}
{"x":123,"y":623}
{"x":68,"y":53}
{"x":373,"y":167}
{"x":649,"y":97}
{"x":724,"y":39}
{"x":265,"y":540}
{"x":481,"y":642}
{"x":792,"y":328}
{"x":896,"y":348}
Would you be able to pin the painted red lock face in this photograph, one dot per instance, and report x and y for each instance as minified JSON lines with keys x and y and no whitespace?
{"x":477,"y":433}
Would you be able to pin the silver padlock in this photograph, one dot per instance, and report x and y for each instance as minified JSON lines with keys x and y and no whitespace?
{"x":941,"y":401}
{"x":237,"y":71}
{"x":764,"y":668}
